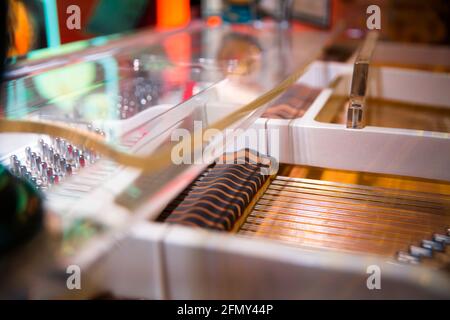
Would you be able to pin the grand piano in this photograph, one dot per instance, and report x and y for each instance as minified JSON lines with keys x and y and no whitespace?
{"x":231,"y":161}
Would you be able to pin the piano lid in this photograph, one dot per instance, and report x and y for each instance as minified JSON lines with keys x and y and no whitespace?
{"x":155,"y":83}
{"x":159,"y":103}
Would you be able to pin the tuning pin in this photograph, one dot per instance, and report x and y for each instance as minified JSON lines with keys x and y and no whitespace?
{"x":28,"y":154}
{"x":69,"y":152}
{"x":81,"y":161}
{"x":62,"y":148}
{"x":34,"y":182}
{"x":49,"y":175}
{"x":27,"y":176}
{"x":17,"y":167}
{"x":51,"y":153}
{"x":56,"y":158}
{"x":12,"y":161}
{"x":68,"y":169}
{"x":33,"y":160}
{"x":62,"y":164}
{"x":41,"y":146}
{"x":76,"y":154}
{"x":23,"y":170}
{"x":43,"y":169}
{"x":37,"y":162}
{"x":57,"y":144}
{"x":44,"y":151}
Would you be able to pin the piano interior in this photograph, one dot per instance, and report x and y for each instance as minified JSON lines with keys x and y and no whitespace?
{"x":321,"y":208}
{"x":301,"y":205}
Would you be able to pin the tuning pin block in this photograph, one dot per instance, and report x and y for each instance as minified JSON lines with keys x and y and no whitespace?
{"x":52,"y":161}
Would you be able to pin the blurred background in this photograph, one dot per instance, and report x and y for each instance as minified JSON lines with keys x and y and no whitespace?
{"x":36,"y":24}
